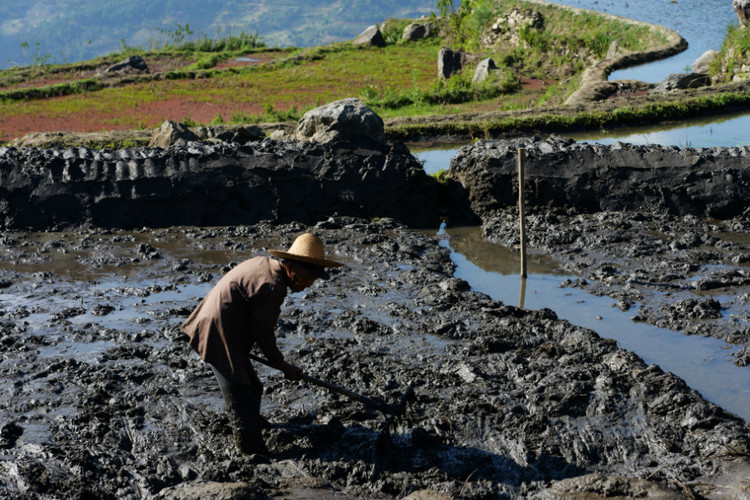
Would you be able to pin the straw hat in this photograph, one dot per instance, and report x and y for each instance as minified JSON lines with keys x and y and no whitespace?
{"x":307,"y":248}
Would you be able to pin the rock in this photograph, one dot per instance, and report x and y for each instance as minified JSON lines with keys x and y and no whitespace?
{"x":508,"y":26}
{"x":371,"y":36}
{"x":681,"y":81}
{"x":213,"y":490}
{"x":133,"y":64}
{"x":703,"y":62}
{"x":238,"y":135}
{"x":171,"y":133}
{"x":417,"y":31}
{"x":742,"y":8}
{"x":348,"y":118}
{"x":483,"y":70}
{"x":427,"y":495}
{"x":614,"y":48}
{"x":450,"y":62}
{"x":598,"y":487}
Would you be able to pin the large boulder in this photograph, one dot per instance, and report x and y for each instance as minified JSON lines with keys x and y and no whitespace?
{"x":450,"y":62}
{"x":171,"y":133}
{"x":681,"y":81}
{"x":418,"y":31}
{"x":702,"y":64}
{"x":371,"y":36}
{"x":742,"y":8}
{"x":348,"y":119}
{"x":483,"y":70}
{"x":133,"y":64}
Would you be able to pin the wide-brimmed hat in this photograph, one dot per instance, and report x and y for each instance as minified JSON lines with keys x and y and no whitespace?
{"x":308,"y":249}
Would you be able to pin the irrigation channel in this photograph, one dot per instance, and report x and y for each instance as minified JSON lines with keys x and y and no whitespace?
{"x":704,"y":363}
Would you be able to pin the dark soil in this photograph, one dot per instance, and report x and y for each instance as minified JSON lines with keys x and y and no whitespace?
{"x":105,"y":399}
{"x":640,"y":223}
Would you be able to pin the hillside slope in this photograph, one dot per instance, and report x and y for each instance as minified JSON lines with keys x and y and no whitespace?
{"x":34,"y":31}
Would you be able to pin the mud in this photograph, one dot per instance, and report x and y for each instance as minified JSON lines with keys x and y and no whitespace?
{"x":640,"y":224}
{"x":104,"y":399}
{"x":212,"y":184}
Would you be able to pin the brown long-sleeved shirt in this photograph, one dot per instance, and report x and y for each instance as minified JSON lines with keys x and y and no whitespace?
{"x":240,"y":311}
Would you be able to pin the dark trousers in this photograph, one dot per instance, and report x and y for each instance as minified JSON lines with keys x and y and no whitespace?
{"x":243,"y":406}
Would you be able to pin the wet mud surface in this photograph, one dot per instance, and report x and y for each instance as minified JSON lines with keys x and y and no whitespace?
{"x":104,"y":399}
{"x":664,"y":254}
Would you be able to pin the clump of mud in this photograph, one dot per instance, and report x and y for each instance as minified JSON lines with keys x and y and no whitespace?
{"x":104,"y":399}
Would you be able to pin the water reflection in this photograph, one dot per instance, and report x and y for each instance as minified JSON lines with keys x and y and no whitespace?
{"x":704,"y":363}
{"x":727,"y":130}
{"x":703,"y":23}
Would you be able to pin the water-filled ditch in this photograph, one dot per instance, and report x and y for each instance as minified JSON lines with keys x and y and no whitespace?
{"x":704,"y":363}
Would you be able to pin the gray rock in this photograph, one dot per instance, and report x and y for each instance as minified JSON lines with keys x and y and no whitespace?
{"x":171,"y":133}
{"x":508,"y":26}
{"x":214,"y":490}
{"x":703,"y":62}
{"x":613,"y":50}
{"x":681,"y":81}
{"x":598,"y":487}
{"x":483,"y":70}
{"x":742,"y":8}
{"x":348,"y":118}
{"x":371,"y":36}
{"x":417,"y":31}
{"x":133,"y":64}
{"x":450,"y":62}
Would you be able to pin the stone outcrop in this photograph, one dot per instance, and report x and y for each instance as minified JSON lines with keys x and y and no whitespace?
{"x":589,"y":178}
{"x":484,"y":68}
{"x":508,"y":27}
{"x":742,"y":8}
{"x":681,"y":81}
{"x":702,"y":64}
{"x":212,"y":184}
{"x":450,"y":62}
{"x":133,"y":64}
{"x":418,"y":31}
{"x":371,"y":36}
{"x":348,"y":119}
{"x":171,"y":133}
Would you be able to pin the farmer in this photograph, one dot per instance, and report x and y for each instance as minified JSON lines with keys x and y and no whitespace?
{"x":240,"y":312}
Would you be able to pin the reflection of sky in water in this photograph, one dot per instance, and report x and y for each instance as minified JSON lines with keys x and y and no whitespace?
{"x":717,"y":131}
{"x":723,"y":132}
{"x":703,"y":23}
{"x":704,"y":363}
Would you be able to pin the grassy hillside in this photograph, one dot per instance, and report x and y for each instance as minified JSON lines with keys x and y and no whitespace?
{"x":191,"y":85}
{"x":46,"y":31}
{"x":733,"y":61}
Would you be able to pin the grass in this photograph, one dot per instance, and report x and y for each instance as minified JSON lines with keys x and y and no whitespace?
{"x":397,"y":80}
{"x":734,"y":54}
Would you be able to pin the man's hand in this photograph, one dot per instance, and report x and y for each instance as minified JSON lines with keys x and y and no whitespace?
{"x":291,"y":371}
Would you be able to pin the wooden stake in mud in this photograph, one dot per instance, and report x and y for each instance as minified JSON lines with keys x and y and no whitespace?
{"x":521,"y":209}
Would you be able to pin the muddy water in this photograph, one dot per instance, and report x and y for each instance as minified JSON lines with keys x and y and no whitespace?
{"x":704,"y":363}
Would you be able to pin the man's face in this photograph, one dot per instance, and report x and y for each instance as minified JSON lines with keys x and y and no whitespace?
{"x":301,"y":278}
